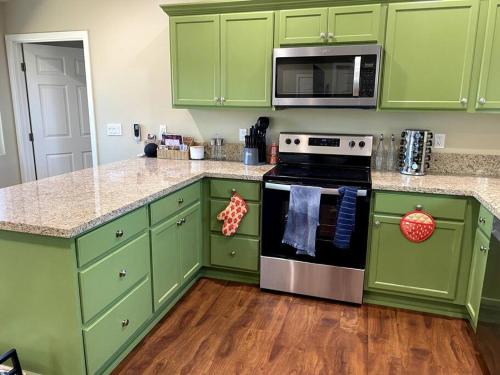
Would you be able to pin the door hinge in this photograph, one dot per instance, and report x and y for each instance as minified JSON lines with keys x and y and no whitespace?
{"x":23,"y":66}
{"x":30,"y":137}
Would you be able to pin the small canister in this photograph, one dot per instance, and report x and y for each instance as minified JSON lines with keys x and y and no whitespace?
{"x":273,"y":154}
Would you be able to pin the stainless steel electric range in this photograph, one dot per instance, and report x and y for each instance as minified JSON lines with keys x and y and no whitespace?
{"x":328,"y":161}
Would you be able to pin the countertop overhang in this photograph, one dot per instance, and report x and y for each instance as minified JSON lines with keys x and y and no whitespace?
{"x":68,"y":205}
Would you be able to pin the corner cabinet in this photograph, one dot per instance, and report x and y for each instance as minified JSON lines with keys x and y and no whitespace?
{"x":429,"y":67}
{"x":346,"y":24}
{"x":222,"y":60}
{"x":488,"y":97}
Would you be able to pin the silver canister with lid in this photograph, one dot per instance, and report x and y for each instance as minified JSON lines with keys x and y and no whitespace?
{"x":415,"y":151}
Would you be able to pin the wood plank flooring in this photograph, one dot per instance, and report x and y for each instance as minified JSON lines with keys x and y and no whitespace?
{"x":222,"y":327}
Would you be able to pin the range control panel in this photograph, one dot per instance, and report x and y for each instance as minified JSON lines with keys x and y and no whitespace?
{"x":326,"y":144}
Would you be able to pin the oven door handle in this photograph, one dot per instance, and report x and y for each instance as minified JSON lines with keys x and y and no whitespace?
{"x":324,"y":191}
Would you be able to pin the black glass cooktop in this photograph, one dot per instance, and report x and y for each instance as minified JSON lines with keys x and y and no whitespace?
{"x":320,"y":174}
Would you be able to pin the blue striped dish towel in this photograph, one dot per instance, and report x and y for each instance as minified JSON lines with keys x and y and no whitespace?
{"x":346,"y":216}
{"x":303,"y":219}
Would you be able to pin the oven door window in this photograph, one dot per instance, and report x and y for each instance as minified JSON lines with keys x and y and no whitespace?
{"x":275,"y":216}
{"x":322,"y":76}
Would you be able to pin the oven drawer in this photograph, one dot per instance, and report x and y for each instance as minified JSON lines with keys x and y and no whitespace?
{"x":223,"y":189}
{"x":444,"y":207}
{"x":234,"y":252}
{"x":250,"y":224}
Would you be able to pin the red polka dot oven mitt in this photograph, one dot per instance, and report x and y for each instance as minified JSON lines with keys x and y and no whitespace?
{"x":232,"y":215}
{"x":417,"y":226}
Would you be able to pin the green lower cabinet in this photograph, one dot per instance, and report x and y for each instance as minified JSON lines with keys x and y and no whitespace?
{"x":476,"y":278}
{"x":489,"y":82}
{"x":428,"y":269}
{"x":246,"y":59}
{"x":235,"y":252}
{"x":195,"y":60}
{"x":165,"y":260}
{"x":190,"y":241}
{"x":429,"y":67}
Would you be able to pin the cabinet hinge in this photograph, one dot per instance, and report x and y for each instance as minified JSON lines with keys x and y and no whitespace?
{"x":23,"y":66}
{"x":30,"y":137}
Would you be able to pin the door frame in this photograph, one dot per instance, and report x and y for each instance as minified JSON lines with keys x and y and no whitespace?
{"x":14,"y":44}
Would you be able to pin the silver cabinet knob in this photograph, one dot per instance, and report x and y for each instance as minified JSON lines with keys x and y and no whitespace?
{"x":463,"y":101}
{"x":377,"y":223}
{"x":179,"y":222}
{"x":183,"y":220}
{"x":222,"y":100}
{"x":122,"y":273}
{"x":330,"y":35}
{"x":233,"y":253}
{"x":119,"y":233}
{"x":216,"y":99}
{"x":322,"y":35}
{"x":181,"y":200}
{"x":482,"y":220}
{"x":482,"y":101}
{"x":125,"y":322}
{"x":419,"y":207}
{"x":233,"y":190}
{"x":483,"y":249}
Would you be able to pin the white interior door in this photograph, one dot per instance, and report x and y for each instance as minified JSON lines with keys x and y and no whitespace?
{"x":57,"y":94}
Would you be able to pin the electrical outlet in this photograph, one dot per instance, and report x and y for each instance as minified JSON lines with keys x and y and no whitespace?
{"x":242,"y":133}
{"x":439,"y":140}
{"x":163,"y":129}
{"x":114,"y":129}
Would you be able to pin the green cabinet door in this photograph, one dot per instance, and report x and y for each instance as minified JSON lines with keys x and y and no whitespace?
{"x":358,"y":23}
{"x":476,"y":278}
{"x":246,"y":59}
{"x":190,"y":241}
{"x":303,"y":26}
{"x":428,"y":268}
{"x":489,"y":82}
{"x":165,"y":260}
{"x":428,"y":54}
{"x":195,"y":59}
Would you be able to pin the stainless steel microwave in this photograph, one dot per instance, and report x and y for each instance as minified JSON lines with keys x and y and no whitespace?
{"x":330,"y":76}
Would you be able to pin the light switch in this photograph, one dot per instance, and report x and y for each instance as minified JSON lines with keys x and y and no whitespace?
{"x":242,"y":134}
{"x":114,"y":129}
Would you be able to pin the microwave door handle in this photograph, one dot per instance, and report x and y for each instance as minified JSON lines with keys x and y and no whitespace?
{"x":356,"y":77}
{"x":324,"y":191}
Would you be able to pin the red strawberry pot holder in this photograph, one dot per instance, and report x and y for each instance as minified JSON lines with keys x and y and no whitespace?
{"x":417,"y":226}
{"x":232,"y":215}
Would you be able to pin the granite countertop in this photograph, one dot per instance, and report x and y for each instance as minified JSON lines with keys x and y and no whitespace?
{"x":68,"y":205}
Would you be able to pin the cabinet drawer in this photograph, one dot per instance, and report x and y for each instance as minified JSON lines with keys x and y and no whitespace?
{"x":110,"y":277}
{"x":250,"y":224}
{"x":429,"y":268}
{"x":165,"y":207}
{"x":119,"y":231}
{"x":485,"y":221}
{"x":104,"y":337}
{"x":224,"y":189}
{"x":444,"y":207}
{"x":234,"y":252}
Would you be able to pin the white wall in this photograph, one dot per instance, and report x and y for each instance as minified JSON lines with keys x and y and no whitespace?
{"x":9,"y":162}
{"x":129,"y":47}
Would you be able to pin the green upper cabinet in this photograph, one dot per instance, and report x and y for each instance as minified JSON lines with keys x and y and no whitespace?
{"x":346,"y":24}
{"x":246,"y":59}
{"x":489,"y":84}
{"x":428,"y":54}
{"x":428,"y":269}
{"x":303,"y":26}
{"x":195,"y":59}
{"x":222,"y":60}
{"x":357,"y":23}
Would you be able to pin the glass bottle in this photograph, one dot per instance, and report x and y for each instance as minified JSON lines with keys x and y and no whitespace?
{"x":379,"y":155}
{"x":391,"y":155}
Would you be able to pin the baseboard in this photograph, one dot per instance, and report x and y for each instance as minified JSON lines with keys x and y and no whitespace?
{"x":230,"y":275}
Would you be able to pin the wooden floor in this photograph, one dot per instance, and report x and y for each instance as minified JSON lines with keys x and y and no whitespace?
{"x":229,"y":328}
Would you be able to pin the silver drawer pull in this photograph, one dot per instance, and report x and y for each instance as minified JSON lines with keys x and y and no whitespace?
{"x":119,"y":233}
{"x":183,"y":220}
{"x":179,"y":222}
{"x":419,"y":207}
{"x":232,"y":253}
{"x":377,"y":223}
{"x":181,"y":200}
{"x":125,"y":322}
{"x":122,"y":273}
{"x":233,"y":190}
{"x":482,"y":220}
{"x":483,"y":249}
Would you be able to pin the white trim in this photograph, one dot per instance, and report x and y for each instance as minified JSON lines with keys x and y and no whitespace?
{"x":19,"y":96}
